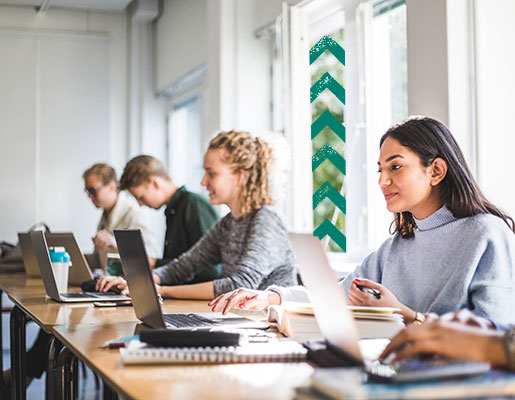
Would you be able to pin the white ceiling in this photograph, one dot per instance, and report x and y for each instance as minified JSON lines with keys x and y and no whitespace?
{"x":101,"y":5}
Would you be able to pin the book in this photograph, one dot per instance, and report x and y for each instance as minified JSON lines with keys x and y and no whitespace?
{"x":349,"y":383}
{"x":297,"y":321}
{"x":274,"y":350}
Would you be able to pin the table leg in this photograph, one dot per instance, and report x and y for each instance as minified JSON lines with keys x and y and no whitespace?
{"x":67,"y":375}
{"x":51,"y":371}
{"x":18,"y":343}
{"x":109,"y":394}
{"x":1,"y":345}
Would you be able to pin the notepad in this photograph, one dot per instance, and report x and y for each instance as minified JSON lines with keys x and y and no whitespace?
{"x":275,"y":350}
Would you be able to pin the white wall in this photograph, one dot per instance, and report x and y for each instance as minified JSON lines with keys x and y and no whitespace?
{"x":63,"y":89}
{"x":495,"y":88}
{"x":181,"y":40}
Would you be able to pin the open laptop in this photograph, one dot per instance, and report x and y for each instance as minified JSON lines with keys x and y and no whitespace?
{"x":47,"y":275}
{"x":339,"y":329}
{"x":29,"y":257}
{"x":146,"y":300}
{"x":80,"y":271}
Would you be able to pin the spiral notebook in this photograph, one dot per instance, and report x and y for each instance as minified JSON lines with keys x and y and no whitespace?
{"x":275,"y":350}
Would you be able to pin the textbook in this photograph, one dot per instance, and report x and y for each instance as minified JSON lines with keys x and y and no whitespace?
{"x":274,"y":350}
{"x":348,"y":383}
{"x":297,"y":321}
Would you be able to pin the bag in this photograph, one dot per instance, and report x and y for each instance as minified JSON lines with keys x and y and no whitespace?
{"x":11,"y":259}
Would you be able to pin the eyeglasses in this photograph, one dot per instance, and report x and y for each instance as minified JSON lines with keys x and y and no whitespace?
{"x":93,"y":191}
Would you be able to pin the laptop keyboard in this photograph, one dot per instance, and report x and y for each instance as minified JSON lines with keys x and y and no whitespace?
{"x":187,"y":321}
{"x":414,"y":369}
{"x":93,"y":295}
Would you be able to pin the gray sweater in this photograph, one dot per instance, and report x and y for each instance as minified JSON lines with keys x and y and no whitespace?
{"x":450,"y":264}
{"x":254,"y":252}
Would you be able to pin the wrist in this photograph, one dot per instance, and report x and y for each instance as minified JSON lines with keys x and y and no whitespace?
{"x":273,"y":298}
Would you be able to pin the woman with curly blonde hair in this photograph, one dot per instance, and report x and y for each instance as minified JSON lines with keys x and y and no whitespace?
{"x":251,"y":242}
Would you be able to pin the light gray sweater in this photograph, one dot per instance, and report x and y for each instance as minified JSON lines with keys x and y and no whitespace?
{"x":450,"y":264}
{"x":254,"y":252}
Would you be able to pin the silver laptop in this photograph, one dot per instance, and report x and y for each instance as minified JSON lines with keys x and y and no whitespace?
{"x":29,"y":257}
{"x":80,"y":271}
{"x":146,"y":300}
{"x":47,"y":275}
{"x":339,"y":329}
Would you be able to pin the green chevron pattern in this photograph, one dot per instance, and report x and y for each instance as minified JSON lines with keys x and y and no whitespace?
{"x":326,"y":152}
{"x":327,"y":190}
{"x":327,"y":82}
{"x":326,"y":43}
{"x":327,"y":228}
{"x":327,"y":119}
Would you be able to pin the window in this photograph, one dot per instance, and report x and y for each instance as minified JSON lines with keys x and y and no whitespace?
{"x":185,"y":143}
{"x":384,"y":100}
{"x":373,"y":35}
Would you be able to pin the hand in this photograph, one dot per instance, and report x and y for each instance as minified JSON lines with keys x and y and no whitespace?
{"x":104,"y":239}
{"x":117,"y":282}
{"x":448,"y":339}
{"x":466,"y":317}
{"x":245,"y":299}
{"x":388,"y":299}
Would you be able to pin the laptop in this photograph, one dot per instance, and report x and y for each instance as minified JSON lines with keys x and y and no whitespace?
{"x":80,"y":271}
{"x":146,"y":300}
{"x":339,"y":329}
{"x":39,"y":243}
{"x":29,"y":257}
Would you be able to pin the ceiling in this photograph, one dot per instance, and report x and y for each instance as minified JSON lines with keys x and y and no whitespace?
{"x":100,"y":5}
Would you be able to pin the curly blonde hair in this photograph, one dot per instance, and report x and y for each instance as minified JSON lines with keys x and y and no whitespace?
{"x":253,"y":157}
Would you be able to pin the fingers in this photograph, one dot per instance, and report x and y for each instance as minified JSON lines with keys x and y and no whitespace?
{"x":236,"y":299}
{"x":368,"y":283}
{"x":407,"y":337}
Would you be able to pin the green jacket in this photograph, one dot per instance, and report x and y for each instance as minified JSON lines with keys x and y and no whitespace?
{"x":188,"y":217}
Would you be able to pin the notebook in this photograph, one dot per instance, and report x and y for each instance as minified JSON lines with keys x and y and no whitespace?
{"x":145,"y":297}
{"x":274,"y":350}
{"x":47,"y":275}
{"x":339,"y":329}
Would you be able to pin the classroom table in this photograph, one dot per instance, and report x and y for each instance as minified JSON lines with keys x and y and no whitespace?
{"x":81,"y":327}
{"x":227,"y":381}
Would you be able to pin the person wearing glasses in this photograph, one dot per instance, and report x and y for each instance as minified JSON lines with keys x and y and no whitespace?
{"x":119,"y":212}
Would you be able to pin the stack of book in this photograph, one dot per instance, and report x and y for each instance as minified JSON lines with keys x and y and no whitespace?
{"x":297,"y":321}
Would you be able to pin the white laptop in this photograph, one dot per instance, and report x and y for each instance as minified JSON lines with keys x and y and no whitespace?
{"x":47,"y":275}
{"x":146,"y":300}
{"x":339,"y":329}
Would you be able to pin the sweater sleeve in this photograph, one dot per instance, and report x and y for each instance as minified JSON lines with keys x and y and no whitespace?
{"x":205,"y":253}
{"x":492,"y":289}
{"x":371,"y":267}
{"x":266,"y":246}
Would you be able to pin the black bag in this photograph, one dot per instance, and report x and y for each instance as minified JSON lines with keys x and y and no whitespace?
{"x":11,"y":259}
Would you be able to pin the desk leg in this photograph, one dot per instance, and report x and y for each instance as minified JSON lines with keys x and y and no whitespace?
{"x":18,"y":343}
{"x":67,"y":375}
{"x":109,"y":394}
{"x":51,"y":371}
{"x":1,"y":345}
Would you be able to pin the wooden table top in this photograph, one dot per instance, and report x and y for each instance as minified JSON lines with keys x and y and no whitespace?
{"x":234,"y":381}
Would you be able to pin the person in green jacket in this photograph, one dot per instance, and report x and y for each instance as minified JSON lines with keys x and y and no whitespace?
{"x":188,"y":215}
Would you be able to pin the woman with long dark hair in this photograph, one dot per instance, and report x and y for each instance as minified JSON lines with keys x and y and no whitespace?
{"x":450,"y":247}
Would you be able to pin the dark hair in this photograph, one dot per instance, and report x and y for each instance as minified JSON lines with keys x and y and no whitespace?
{"x":104,"y":172}
{"x":430,"y":139}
